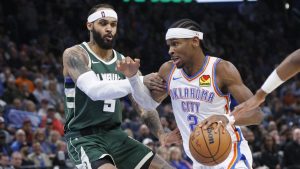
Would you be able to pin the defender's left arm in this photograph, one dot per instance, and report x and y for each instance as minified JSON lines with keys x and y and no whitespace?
{"x":230,"y":81}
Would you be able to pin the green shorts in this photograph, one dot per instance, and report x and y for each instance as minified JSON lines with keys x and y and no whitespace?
{"x":125,"y":152}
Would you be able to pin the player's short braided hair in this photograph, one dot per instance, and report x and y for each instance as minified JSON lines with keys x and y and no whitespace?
{"x":192,"y":25}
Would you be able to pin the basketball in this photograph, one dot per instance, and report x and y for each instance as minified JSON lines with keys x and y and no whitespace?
{"x":210,"y":148}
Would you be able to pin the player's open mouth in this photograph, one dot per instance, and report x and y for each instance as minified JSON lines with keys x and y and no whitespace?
{"x":175,"y":60}
{"x":108,"y":38}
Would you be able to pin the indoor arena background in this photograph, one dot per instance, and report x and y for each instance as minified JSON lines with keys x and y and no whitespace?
{"x":254,"y":36}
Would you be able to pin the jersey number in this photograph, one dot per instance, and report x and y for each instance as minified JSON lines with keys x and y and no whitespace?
{"x":109,"y":105}
{"x":193,"y":121}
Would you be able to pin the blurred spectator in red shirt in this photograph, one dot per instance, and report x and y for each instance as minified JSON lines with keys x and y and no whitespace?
{"x":52,"y":119}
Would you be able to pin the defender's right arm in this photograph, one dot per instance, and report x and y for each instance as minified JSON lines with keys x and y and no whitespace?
{"x":75,"y":62}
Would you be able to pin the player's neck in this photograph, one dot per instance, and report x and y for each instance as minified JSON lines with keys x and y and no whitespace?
{"x":104,"y":54}
{"x":197,"y":62}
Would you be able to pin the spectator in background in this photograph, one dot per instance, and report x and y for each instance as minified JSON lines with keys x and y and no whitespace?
{"x":176,"y":159}
{"x":23,"y":80}
{"x":4,"y":162}
{"x":55,"y":96}
{"x":43,"y":108}
{"x":165,"y":124}
{"x":269,"y":156}
{"x":51,"y":117}
{"x":149,"y":143}
{"x":16,"y":160}
{"x":4,"y":148}
{"x":143,"y":133}
{"x":26,"y":94}
{"x":27,"y":128}
{"x":39,"y":92}
{"x":11,"y":91}
{"x":17,"y":104}
{"x":6,"y":75}
{"x":30,"y":106}
{"x":40,"y":137}
{"x":54,"y":139}
{"x":20,"y":141}
{"x":40,"y":159}
{"x":25,"y":160}
{"x":3,"y":129}
{"x":163,"y":152}
{"x":292,"y":151}
{"x":61,"y":155}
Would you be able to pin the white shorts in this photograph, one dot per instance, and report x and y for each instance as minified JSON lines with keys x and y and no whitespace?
{"x":239,"y":157}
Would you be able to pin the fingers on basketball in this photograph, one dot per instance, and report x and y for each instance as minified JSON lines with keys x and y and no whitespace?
{"x":208,"y":147}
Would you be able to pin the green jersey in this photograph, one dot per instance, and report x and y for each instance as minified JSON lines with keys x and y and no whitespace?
{"x":80,"y":110}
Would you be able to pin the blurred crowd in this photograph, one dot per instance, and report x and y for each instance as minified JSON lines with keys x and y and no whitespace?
{"x":33,"y":34}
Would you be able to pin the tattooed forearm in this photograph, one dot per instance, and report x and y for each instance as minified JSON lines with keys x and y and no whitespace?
{"x":74,"y":63}
{"x":150,"y":118}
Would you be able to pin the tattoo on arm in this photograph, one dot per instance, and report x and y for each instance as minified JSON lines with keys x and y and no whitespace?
{"x":150,"y":118}
{"x":74,"y":62}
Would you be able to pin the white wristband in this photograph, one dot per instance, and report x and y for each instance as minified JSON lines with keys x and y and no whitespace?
{"x":230,"y":118}
{"x":272,"y":82}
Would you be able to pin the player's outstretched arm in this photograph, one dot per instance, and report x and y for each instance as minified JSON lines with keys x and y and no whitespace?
{"x":289,"y":67}
{"x":139,"y":91}
{"x":231,"y":81}
{"x":76,"y":66}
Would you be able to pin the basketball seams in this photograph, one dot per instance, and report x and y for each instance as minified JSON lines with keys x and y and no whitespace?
{"x":218,"y":144}
{"x":224,"y":153}
{"x":215,"y":151}
{"x":198,"y":153}
{"x":208,"y":147}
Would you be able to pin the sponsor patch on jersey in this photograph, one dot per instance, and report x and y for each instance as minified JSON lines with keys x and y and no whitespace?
{"x":204,"y":81}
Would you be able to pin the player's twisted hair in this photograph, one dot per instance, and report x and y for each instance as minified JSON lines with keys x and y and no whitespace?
{"x":192,"y":25}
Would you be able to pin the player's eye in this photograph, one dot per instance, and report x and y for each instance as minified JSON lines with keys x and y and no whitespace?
{"x":174,"y":43}
{"x":103,"y":22}
{"x":113,"y":24}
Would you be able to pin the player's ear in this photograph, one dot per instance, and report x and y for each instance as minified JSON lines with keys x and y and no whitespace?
{"x":195,"y":42}
{"x":89,"y":26}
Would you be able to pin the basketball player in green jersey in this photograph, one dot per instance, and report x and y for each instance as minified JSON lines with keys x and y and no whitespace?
{"x":93,"y":114}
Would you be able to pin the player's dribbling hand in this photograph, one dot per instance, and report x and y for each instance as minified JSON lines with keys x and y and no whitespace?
{"x":128,"y":66}
{"x":154,"y":82}
{"x":173,"y":137}
{"x":221,"y":120}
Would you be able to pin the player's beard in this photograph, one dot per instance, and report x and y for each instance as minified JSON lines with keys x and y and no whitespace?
{"x":101,"y":41}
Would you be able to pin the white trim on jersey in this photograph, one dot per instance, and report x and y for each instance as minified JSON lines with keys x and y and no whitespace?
{"x":97,"y":57}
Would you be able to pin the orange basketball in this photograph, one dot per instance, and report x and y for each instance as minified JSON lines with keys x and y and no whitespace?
{"x":210,"y":148}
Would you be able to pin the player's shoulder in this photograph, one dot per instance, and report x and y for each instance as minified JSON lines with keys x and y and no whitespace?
{"x":75,"y":50}
{"x":165,"y":69}
{"x":167,"y":65}
{"x":227,"y":72}
{"x":224,"y":65}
